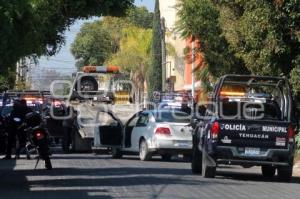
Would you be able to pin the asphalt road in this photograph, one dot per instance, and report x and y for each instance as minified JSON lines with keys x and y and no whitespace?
{"x":98,"y":176}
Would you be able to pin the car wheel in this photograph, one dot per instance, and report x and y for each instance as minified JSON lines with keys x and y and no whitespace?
{"x":268,"y":171}
{"x":285,"y":173}
{"x":145,"y":155}
{"x":207,"y":171}
{"x":116,"y":153}
{"x":166,"y":157}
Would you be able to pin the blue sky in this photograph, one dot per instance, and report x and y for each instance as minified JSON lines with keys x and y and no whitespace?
{"x":64,"y":62}
{"x":148,"y":3}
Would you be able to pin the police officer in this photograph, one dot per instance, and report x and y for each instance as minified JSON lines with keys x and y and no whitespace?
{"x":68,"y":128}
{"x":22,"y":137}
{"x":20,"y":109}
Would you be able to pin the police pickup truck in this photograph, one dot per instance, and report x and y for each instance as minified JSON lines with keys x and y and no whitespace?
{"x":249,"y":122}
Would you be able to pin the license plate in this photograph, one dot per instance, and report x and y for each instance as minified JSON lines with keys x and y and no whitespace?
{"x":183,"y":143}
{"x":252,"y":151}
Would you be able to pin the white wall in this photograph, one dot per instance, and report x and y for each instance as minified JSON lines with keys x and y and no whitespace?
{"x":168,"y":12}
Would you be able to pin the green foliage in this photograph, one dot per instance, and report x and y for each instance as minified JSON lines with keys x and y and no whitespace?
{"x":171,"y":51}
{"x":125,"y":42}
{"x":92,"y":45}
{"x":295,"y":80}
{"x":200,"y":19}
{"x":134,"y":55}
{"x":240,"y":36}
{"x":7,"y":80}
{"x":3,"y":84}
{"x":135,"y":47}
{"x":38,"y":26}
{"x":97,"y":41}
{"x":140,"y":17}
{"x":297,"y":139}
{"x":114,"y":26}
{"x":155,"y":71}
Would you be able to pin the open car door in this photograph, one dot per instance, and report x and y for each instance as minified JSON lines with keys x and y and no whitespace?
{"x":109,"y":131}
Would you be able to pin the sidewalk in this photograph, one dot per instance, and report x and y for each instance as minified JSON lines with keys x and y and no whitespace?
{"x":296,"y":170}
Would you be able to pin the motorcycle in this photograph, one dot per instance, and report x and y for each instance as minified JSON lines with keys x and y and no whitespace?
{"x":38,"y":138}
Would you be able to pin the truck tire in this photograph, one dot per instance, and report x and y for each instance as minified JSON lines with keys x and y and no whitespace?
{"x":116,"y":153}
{"x":268,"y":171}
{"x":207,"y":171}
{"x":79,"y":144}
{"x":144,"y":153}
{"x":87,"y":84}
{"x":285,"y":173}
{"x":196,"y":161}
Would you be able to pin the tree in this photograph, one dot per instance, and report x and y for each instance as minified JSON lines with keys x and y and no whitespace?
{"x":257,"y":36}
{"x":134,"y":56}
{"x":265,"y":35}
{"x":140,"y":17}
{"x":38,"y":26}
{"x":92,"y":46}
{"x":155,"y":71}
{"x":98,"y":40}
{"x":200,"y":19}
{"x":260,"y":33}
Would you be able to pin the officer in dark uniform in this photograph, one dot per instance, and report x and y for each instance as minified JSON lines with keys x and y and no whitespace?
{"x":20,"y":109}
{"x":68,"y":128}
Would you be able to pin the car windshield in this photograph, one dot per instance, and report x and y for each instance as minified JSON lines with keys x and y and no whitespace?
{"x":171,"y":116}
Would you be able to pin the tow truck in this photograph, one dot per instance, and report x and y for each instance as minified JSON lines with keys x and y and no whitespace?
{"x":94,"y":89}
{"x":249,"y":121}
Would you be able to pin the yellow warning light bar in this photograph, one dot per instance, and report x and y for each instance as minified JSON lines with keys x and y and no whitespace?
{"x":100,"y":69}
{"x":232,"y":93}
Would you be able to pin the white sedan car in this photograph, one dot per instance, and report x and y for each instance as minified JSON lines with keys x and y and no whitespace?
{"x":164,"y":132}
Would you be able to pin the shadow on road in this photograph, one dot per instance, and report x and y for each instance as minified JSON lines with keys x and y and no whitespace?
{"x":83,"y":183}
{"x":104,"y":183}
{"x":233,"y":175}
{"x":119,"y":171}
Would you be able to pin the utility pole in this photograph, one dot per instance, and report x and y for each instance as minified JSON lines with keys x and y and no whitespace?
{"x":193,"y":68}
{"x":193,"y":76}
{"x":163,"y":53}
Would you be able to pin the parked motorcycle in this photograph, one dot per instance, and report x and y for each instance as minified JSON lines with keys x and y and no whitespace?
{"x":38,"y":137}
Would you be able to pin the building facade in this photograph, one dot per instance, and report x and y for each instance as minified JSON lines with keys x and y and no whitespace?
{"x":178,"y":62}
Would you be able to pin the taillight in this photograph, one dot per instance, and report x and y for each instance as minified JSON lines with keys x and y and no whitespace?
{"x":163,"y":131}
{"x":215,"y":130}
{"x":39,"y":135}
{"x":291,"y":133}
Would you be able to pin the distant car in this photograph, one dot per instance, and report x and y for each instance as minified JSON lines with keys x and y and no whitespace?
{"x":170,"y":105}
{"x":6,"y":110}
{"x":163,"y":132}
